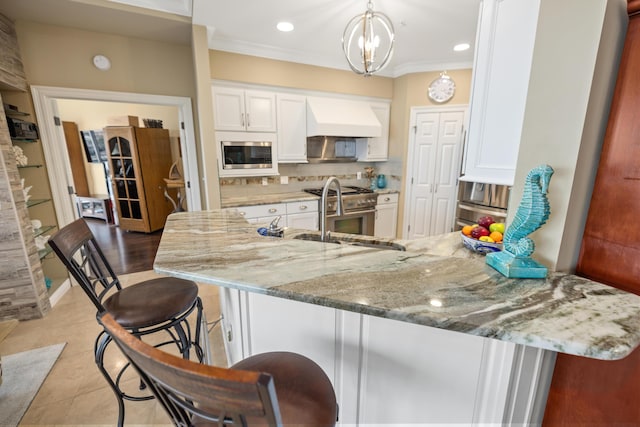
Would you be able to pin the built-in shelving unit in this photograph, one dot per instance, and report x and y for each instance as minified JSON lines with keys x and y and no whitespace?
{"x":40,"y":205}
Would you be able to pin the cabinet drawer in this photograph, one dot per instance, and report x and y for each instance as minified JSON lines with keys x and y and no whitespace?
{"x":262,"y":210}
{"x":385,"y":199}
{"x":301,"y":207}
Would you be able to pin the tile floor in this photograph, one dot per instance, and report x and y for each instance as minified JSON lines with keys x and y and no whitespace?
{"x":75,"y":393}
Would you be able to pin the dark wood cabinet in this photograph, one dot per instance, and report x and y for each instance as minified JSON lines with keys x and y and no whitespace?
{"x":139,"y":160}
{"x":586,"y":391}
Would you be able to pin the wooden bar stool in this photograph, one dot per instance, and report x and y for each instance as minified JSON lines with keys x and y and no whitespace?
{"x":275,"y":389}
{"x":152,"y":306}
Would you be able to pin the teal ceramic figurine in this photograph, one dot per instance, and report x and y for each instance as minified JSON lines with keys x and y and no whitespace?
{"x":514,"y":260}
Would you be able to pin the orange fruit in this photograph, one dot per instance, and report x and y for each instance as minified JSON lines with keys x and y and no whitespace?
{"x":466,"y":230}
{"x":496,"y":236}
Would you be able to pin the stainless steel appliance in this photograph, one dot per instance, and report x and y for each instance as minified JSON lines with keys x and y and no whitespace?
{"x":245,"y":154}
{"x":359,"y":210}
{"x":477,"y":199}
{"x":331,"y":149}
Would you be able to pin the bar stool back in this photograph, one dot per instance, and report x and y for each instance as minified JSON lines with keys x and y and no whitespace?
{"x":274,"y":389}
{"x":157,"y":305}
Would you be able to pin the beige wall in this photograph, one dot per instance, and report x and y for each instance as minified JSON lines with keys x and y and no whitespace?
{"x":410,"y":91}
{"x":62,"y":57}
{"x":251,"y":69}
{"x":566,"y":115}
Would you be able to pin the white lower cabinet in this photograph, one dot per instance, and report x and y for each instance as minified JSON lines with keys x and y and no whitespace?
{"x":264,"y":213}
{"x":412,"y":374}
{"x":388,"y":372}
{"x":386,"y":215}
{"x":303,"y":214}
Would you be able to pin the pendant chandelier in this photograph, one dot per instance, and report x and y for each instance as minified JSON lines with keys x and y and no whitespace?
{"x":367,"y":41}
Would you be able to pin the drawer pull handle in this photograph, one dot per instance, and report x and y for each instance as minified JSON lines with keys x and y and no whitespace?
{"x":273,"y":210}
{"x":386,"y":199}
{"x":302,"y":207}
{"x":243,"y":213}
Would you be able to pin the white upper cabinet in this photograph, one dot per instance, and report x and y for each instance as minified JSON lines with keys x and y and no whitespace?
{"x":244,"y":110}
{"x":292,"y":128}
{"x":376,"y":148}
{"x":504,"y":52}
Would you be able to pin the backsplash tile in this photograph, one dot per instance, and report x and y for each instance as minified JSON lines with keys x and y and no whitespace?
{"x":301,"y":176}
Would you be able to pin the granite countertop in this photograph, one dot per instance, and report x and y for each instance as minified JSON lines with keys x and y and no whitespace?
{"x":435,"y":282}
{"x":267,"y":199}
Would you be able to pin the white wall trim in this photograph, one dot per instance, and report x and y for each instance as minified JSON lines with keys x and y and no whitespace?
{"x":55,"y":151}
{"x":513,"y":384}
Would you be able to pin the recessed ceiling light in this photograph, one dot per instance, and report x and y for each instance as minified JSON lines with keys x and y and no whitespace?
{"x":285,"y":26}
{"x":460,"y":47}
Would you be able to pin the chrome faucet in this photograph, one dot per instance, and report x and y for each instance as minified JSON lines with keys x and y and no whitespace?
{"x":324,"y":235}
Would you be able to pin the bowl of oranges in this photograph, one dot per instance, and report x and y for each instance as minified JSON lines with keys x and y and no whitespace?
{"x":483,"y":237}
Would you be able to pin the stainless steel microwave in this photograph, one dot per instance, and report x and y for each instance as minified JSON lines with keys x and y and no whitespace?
{"x":247,"y":153}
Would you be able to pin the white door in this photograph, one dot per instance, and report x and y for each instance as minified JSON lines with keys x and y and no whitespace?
{"x":433,"y":164}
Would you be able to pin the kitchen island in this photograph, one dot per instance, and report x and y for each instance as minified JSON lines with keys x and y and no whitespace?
{"x":427,"y":335}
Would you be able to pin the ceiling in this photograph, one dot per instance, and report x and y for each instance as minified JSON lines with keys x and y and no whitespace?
{"x":426,"y":30}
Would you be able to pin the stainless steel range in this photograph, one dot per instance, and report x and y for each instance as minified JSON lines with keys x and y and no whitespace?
{"x":358,"y":206}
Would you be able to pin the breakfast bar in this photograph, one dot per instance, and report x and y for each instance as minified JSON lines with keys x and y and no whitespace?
{"x":428,"y":334}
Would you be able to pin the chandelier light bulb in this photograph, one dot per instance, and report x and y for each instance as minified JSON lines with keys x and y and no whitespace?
{"x":364,"y":37}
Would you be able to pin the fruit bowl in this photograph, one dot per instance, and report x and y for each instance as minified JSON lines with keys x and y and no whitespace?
{"x":479,"y":246}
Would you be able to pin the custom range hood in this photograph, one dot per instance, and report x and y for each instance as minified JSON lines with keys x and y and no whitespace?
{"x":341,"y":118}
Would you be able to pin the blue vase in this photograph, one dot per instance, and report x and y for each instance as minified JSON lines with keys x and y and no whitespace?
{"x":382,"y":181}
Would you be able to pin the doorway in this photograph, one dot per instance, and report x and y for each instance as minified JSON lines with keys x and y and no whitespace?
{"x":54,"y":146}
{"x":434,"y":160}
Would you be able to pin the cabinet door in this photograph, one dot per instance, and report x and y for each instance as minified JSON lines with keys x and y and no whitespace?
{"x":277,"y":324}
{"x":303,"y":215}
{"x":228,"y":109}
{"x":505,"y":39}
{"x":403,"y":363}
{"x":379,"y":147}
{"x":376,"y":148}
{"x":305,"y":221}
{"x":260,"y":111}
{"x":386,"y":216}
{"x":292,"y":128}
{"x":125,"y":176}
{"x":154,"y":157}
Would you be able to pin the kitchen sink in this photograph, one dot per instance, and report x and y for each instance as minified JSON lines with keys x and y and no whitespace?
{"x":354,"y":241}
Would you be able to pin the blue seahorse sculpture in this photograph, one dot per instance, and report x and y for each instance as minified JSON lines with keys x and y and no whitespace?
{"x":534,"y":210}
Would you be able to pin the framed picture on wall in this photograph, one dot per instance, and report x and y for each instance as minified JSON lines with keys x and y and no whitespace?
{"x":94,"y":148}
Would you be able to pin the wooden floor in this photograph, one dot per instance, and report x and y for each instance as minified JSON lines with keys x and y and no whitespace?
{"x":127,"y":251}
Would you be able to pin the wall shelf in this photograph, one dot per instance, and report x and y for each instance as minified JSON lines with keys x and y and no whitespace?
{"x":30,"y":166}
{"x":39,"y":231}
{"x":35,"y":202}
{"x":28,"y":140}
{"x":44,"y":252}
{"x":15,"y":113}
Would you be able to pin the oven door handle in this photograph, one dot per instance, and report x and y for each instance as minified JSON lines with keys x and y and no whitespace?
{"x":353,"y":213}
